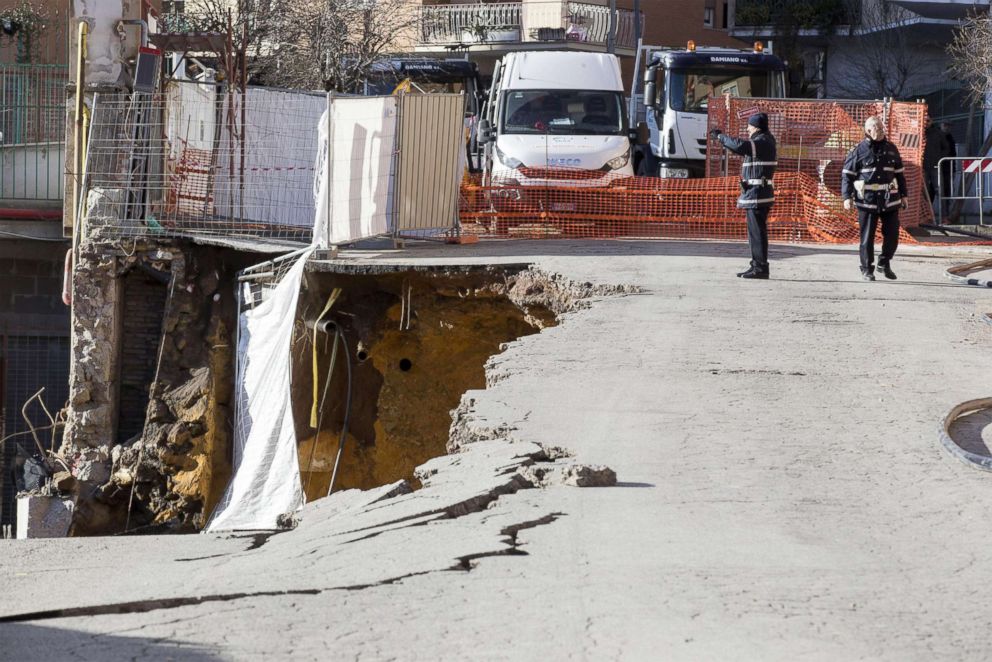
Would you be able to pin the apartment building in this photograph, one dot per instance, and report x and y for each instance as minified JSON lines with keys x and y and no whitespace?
{"x":867,"y":49}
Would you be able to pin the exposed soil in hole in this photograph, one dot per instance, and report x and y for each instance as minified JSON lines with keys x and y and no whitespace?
{"x":417,"y":341}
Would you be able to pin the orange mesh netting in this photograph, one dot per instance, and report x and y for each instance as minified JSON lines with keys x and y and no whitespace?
{"x":813,"y":139}
{"x":804,"y":209}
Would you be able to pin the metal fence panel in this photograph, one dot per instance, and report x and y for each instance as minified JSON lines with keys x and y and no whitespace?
{"x":431,"y":162}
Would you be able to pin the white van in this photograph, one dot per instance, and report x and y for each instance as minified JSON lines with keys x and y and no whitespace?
{"x":554,"y":110}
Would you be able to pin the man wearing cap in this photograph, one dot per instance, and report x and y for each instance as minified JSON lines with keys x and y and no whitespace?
{"x":874,"y":181}
{"x":757,"y":194}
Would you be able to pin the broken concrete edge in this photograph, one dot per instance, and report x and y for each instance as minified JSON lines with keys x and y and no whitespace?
{"x":975,"y":460}
{"x":542,"y":466}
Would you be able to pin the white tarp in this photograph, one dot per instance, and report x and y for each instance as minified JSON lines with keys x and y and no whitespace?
{"x":266,"y":480}
{"x":354,"y":169}
{"x":280,"y":142}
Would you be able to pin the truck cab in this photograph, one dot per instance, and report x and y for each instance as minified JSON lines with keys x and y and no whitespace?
{"x":554,"y":110}
{"x":678,"y":87}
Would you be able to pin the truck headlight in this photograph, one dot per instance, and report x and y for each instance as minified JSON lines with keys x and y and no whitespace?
{"x":618,"y":162}
{"x":508,"y":161}
{"x":673,"y":173}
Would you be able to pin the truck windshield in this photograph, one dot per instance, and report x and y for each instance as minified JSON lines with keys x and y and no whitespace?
{"x":571,"y":112}
{"x":692,"y":88}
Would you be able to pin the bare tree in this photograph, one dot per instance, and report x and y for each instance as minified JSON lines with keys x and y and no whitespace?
{"x":881,"y":60}
{"x":254,"y":24}
{"x":333,"y":43}
{"x":971,"y":56}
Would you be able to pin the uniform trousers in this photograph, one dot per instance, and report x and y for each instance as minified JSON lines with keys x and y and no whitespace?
{"x":757,"y":236}
{"x":868,"y":221}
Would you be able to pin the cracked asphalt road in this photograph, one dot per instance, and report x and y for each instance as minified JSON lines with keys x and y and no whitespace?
{"x":782,"y":492}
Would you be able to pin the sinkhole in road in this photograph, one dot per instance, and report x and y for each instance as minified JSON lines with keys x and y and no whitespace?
{"x":416,"y":340}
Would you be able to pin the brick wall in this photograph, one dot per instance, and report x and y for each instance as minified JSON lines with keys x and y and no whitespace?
{"x":142,"y":312}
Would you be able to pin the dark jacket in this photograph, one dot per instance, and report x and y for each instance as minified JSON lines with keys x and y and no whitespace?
{"x":880,"y":167}
{"x":757,"y":170}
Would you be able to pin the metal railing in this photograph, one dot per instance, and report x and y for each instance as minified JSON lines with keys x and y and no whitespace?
{"x":32,"y":131}
{"x":966,"y":183}
{"x":515,"y":22}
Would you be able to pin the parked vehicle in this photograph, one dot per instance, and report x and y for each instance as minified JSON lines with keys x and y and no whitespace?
{"x":431,"y":76}
{"x":678,"y":85}
{"x":553,"y":110}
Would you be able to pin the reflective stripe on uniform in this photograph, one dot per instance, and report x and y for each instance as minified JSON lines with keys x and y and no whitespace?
{"x":876,"y":187}
{"x":848,"y":172}
{"x":894,"y":203}
{"x":764,"y":181}
{"x":760,"y":163}
{"x":742,"y":201}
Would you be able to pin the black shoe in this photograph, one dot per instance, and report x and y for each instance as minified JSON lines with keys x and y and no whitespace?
{"x":755,"y":273}
{"x":887,"y":270}
{"x":867,"y":275}
{"x":746,"y":271}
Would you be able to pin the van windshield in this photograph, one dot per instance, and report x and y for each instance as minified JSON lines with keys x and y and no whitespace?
{"x":570,"y":112}
{"x":692,"y":88}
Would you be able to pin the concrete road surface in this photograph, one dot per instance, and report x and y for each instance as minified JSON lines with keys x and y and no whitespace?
{"x":782,"y":492}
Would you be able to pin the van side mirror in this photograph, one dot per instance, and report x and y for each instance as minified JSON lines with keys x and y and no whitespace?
{"x":485,"y":132}
{"x":640,"y":135}
{"x":650,"y":90}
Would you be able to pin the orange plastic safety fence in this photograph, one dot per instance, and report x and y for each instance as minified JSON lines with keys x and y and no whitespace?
{"x":578,"y":204}
{"x":813,"y":140}
{"x":814,"y":137}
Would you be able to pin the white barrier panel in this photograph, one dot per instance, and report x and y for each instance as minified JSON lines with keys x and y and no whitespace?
{"x":278,"y":143}
{"x":354,"y":169}
{"x":266,"y":480}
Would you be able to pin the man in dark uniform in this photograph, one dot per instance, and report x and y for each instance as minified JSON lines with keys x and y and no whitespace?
{"x":757,"y":194}
{"x":874,"y":181}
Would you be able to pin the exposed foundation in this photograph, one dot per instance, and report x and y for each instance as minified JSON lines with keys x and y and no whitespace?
{"x":416,"y":340}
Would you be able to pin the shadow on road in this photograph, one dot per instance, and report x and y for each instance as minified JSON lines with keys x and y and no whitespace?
{"x":25,"y":642}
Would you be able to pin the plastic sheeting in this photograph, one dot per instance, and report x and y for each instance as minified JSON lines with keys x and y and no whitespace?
{"x":266,"y":480}
{"x":279,"y":142}
{"x":353,"y":169}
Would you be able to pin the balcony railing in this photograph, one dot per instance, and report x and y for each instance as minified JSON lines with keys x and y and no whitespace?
{"x":528,"y":22}
{"x":32,"y":131}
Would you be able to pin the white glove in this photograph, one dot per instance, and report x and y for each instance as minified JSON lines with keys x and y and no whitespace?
{"x":848,"y":204}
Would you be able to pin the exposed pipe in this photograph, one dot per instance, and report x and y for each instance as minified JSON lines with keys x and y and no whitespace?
{"x":327,"y":326}
{"x":77,"y":138}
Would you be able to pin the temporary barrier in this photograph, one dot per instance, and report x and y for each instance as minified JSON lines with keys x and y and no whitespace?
{"x":804,"y":209}
{"x":964,"y":183}
{"x":190,"y":161}
{"x":430,"y":162}
{"x":354,"y":161}
{"x":814,"y":136}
